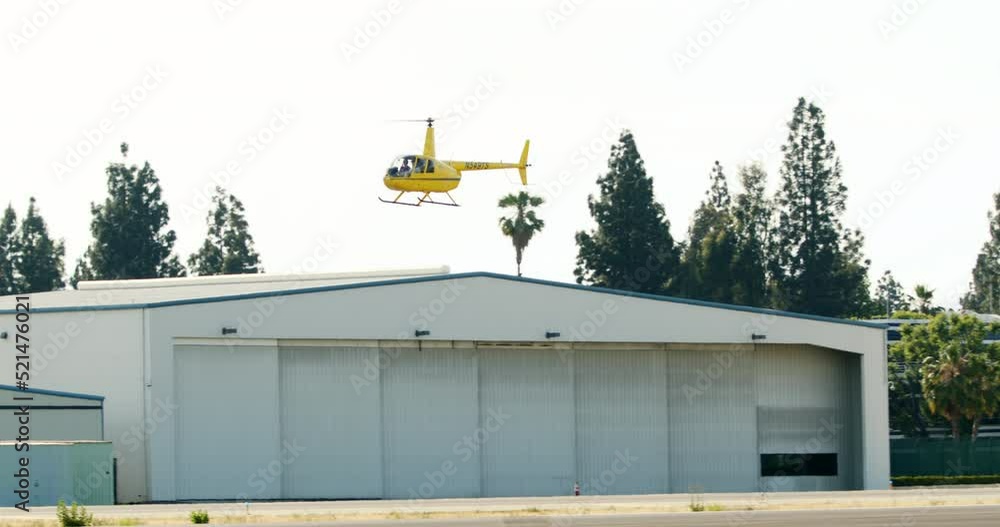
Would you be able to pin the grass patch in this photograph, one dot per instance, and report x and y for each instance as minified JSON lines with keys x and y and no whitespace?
{"x":74,"y":515}
{"x":928,"y":481}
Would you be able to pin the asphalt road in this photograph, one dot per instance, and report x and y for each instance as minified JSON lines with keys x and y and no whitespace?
{"x":967,"y":516}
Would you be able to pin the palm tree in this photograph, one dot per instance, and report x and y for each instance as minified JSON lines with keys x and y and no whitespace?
{"x":925,"y":296}
{"x":944,"y":385}
{"x":524,"y":224}
{"x":959,"y":370}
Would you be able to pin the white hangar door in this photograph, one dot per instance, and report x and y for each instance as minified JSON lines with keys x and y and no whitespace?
{"x":621,"y":419}
{"x":430,"y":410}
{"x":807,"y":419}
{"x":227,"y":422}
{"x":713,"y":417}
{"x":330,"y":422}
{"x":528,"y":422}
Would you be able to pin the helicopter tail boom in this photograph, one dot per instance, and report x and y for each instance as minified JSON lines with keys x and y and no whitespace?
{"x":521,"y":166}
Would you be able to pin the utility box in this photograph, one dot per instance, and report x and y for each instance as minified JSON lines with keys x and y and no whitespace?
{"x":80,"y":471}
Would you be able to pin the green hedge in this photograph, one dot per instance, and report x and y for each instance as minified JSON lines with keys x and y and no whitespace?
{"x":924,"y":481}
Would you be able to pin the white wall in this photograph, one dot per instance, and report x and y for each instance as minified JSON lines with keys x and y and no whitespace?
{"x":97,"y":353}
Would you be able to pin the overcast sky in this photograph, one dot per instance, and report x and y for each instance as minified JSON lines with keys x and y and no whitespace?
{"x":287,"y":102}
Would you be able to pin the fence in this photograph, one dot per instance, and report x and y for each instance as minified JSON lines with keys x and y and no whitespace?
{"x":944,"y":457}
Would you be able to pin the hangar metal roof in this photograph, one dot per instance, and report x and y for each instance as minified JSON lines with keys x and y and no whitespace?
{"x":57,"y":393}
{"x":125,"y":294}
{"x":258,"y":286}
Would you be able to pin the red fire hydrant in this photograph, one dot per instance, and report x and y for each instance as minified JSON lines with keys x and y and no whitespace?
{"x":576,"y":488}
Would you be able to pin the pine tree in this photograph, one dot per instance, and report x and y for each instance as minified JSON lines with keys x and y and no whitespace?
{"x":984,"y":291}
{"x":631,"y":248}
{"x":818,"y":267}
{"x":83,"y":271}
{"x":209,"y":258}
{"x":130,"y":235}
{"x":890,"y":295}
{"x":229,"y":248}
{"x":851,"y":278}
{"x":9,"y":281}
{"x":40,"y":264}
{"x":752,"y":216}
{"x":707,"y":263}
{"x":925,"y":300}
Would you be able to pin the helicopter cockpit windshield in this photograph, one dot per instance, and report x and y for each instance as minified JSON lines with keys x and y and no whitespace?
{"x":404,"y":166}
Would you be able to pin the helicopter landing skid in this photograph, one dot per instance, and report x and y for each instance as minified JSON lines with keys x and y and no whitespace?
{"x":421,"y":200}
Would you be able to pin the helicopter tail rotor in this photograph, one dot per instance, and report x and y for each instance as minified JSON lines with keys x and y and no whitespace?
{"x":522,"y":165}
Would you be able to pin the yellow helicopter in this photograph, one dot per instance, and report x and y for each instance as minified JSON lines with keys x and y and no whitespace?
{"x":424,"y":174}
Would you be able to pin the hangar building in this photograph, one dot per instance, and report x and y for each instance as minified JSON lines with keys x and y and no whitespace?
{"x":429,"y":384}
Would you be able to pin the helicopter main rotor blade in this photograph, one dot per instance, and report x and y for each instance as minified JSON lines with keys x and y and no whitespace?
{"x":428,"y":120}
